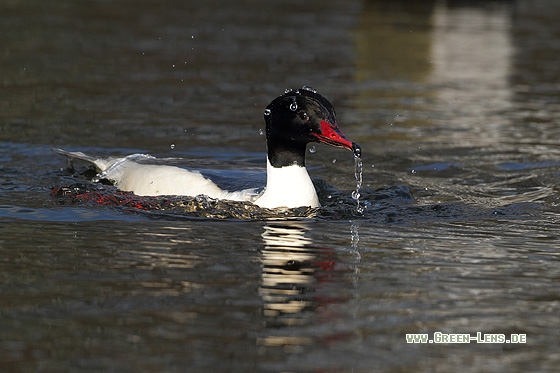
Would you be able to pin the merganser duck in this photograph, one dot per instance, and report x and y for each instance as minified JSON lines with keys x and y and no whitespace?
{"x":293,"y":120}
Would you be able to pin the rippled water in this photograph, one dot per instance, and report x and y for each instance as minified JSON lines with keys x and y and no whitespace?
{"x":455,"y":106}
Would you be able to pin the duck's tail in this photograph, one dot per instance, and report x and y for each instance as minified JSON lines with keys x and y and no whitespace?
{"x":99,"y":163}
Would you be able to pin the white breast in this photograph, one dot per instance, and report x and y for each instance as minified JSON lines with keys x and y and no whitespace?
{"x":288,"y":186}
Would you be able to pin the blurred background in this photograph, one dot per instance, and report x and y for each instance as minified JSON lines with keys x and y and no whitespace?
{"x":455,"y":105}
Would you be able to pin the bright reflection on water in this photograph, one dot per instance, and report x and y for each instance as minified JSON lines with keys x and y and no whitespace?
{"x":288,"y":273}
{"x":455,"y":105}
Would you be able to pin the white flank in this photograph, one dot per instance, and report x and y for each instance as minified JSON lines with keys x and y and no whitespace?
{"x":157,"y":180}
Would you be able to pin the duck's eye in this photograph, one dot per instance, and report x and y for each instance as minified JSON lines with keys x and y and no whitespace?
{"x":303,"y":115}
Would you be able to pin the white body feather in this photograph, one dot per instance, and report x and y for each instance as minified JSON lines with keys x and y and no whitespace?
{"x":288,"y":186}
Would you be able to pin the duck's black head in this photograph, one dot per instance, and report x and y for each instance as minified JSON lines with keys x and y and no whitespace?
{"x":297,"y":118}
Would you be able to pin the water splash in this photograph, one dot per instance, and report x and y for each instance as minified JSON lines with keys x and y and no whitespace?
{"x":358,"y":172}
{"x":355,"y":237}
{"x":174,"y":207}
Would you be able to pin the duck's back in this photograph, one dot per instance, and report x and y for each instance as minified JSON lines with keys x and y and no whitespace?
{"x":142,"y":179}
{"x":157,"y":180}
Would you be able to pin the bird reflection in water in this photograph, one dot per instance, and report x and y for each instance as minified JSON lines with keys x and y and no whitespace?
{"x":294,"y":274}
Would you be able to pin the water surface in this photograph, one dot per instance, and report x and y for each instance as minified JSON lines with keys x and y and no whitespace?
{"x":454,"y":104}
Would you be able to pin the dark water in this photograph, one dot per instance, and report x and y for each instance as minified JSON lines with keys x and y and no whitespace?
{"x":455,"y":105}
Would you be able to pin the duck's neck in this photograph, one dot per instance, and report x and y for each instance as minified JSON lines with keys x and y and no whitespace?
{"x":288,"y":186}
{"x":283,"y":153}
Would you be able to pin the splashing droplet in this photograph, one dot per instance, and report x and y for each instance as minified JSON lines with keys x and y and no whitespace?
{"x":309,"y":88}
{"x":172,"y":146}
{"x":355,"y":234}
{"x":312,"y":150}
{"x":358,"y":172}
{"x":288,"y":90}
{"x":261,"y":132}
{"x":334,"y":161}
{"x":267,"y":112}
